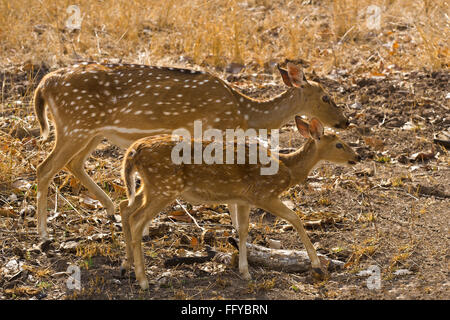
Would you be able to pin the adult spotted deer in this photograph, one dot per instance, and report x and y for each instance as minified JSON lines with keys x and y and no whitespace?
{"x":125,"y":102}
{"x":241,"y":185}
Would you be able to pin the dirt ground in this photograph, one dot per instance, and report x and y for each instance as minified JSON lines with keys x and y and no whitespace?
{"x":389,"y":213}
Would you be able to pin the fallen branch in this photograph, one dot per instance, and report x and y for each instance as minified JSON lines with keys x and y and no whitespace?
{"x":190,"y":216}
{"x":283,"y":260}
{"x":275,"y":259}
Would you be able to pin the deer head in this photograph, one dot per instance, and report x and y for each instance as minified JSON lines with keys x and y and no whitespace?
{"x":313,"y":99}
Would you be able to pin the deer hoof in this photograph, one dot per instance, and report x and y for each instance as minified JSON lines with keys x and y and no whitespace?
{"x":44,"y":245}
{"x":43,"y":235}
{"x":123,"y":271}
{"x":144,"y":284}
{"x":319,"y":274}
{"x":246,"y":276}
{"x":124,"y":267}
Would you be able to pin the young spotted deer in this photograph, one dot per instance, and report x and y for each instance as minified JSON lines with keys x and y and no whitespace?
{"x":241,"y":185}
{"x":123,"y":103}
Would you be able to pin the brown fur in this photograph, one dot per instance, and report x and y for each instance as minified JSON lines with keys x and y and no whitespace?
{"x":241,"y":186}
{"x":90,"y":101}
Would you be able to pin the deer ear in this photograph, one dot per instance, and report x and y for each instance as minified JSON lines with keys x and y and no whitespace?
{"x":296,"y":75}
{"x":285,"y":76}
{"x":316,"y":128}
{"x":302,"y":127}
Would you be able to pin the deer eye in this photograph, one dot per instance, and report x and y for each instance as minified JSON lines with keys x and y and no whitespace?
{"x":326,"y":99}
{"x":339,"y":145}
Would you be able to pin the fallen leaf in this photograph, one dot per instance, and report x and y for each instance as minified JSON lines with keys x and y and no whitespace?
{"x":23,"y":291}
{"x":394,"y":48}
{"x":408,"y":126}
{"x":28,"y":66}
{"x":375,"y":143}
{"x":5,"y":147}
{"x":377,"y":74}
{"x":443,"y":138}
{"x":75,"y":185}
{"x":178,"y":213}
{"x":288,"y":203}
{"x":7,"y":212}
{"x":234,"y":68}
{"x":369,"y":172}
{"x":423,"y":156}
{"x":118,"y":189}
{"x":313,"y":223}
{"x":180,"y":216}
{"x":21,"y":185}
{"x":402,"y":272}
{"x":194,"y":243}
{"x":88,"y":202}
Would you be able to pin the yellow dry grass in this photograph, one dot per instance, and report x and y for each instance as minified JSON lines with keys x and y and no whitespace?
{"x":214,"y":33}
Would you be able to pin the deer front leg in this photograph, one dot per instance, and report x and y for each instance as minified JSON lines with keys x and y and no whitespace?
{"x":276,"y":207}
{"x":243,"y":212}
{"x":232,"y":207}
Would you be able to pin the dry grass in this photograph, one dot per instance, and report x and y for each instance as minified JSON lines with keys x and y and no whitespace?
{"x":376,"y":217}
{"x":214,"y":33}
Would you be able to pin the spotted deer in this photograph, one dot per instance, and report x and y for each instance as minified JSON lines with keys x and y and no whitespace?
{"x":239,"y":185}
{"x":126,"y":102}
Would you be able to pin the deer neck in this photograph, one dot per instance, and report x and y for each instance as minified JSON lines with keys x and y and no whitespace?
{"x":301,"y":162}
{"x":269,"y":114}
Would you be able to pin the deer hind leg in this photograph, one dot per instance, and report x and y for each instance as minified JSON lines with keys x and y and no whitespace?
{"x":276,"y":207}
{"x":243,"y":212}
{"x":76,"y":167}
{"x":125,"y":212}
{"x":55,"y":161}
{"x":137,"y":221}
